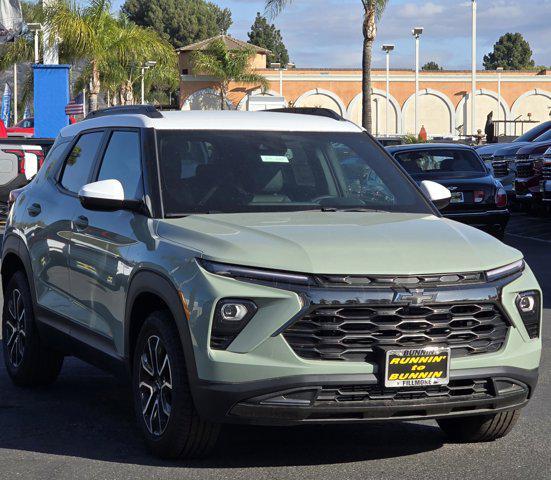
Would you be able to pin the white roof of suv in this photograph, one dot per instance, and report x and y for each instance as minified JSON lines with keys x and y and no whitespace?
{"x":217,"y":120}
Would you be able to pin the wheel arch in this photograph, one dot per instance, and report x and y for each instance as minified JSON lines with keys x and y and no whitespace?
{"x":150,"y":291}
{"x":15,"y":257}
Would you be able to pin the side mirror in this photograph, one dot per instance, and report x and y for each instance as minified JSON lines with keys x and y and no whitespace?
{"x":106,"y":195}
{"x":436,"y":193}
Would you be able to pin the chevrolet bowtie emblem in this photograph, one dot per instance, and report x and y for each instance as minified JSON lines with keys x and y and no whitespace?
{"x":415,"y":297}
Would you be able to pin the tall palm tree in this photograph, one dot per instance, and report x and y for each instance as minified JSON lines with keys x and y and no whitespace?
{"x":95,"y":35}
{"x":227,"y":66}
{"x":373,"y":10}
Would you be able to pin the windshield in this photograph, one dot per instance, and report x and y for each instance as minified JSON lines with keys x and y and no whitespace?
{"x":445,"y":162}
{"x":536,"y":133}
{"x":247,"y":171}
{"x":544,"y":138}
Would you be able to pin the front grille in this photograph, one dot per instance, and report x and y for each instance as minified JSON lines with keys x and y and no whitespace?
{"x":501,"y":169}
{"x":477,"y":388}
{"x":546,"y":170}
{"x":525,"y":169}
{"x":353,"y":333}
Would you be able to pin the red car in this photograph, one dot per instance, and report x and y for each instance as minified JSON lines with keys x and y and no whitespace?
{"x":25,"y":129}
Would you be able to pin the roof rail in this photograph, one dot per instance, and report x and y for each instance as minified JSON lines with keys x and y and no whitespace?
{"x":147,"y":110}
{"x":315,"y":111}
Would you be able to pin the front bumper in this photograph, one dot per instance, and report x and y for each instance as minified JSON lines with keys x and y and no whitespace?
{"x":346,"y":398}
{"x":484,"y":219}
{"x":528,"y":190}
{"x":233,"y":385}
{"x":546,"y":191}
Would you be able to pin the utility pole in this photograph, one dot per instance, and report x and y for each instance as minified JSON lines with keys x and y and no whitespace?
{"x":417,"y":32}
{"x":474,"y":68}
{"x":387,"y":49}
{"x":15,"y":106}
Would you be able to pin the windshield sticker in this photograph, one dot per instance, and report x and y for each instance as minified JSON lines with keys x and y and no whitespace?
{"x":274,"y":159}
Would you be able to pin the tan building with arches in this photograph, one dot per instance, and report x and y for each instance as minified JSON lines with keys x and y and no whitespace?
{"x":445,"y":97}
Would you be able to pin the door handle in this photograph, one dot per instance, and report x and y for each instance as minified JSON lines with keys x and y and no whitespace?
{"x":81,"y":223}
{"x":34,"y":210}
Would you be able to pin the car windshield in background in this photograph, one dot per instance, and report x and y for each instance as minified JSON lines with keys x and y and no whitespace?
{"x":439,"y":163}
{"x":535,"y":134}
{"x":230,"y":172}
{"x":545,"y":137}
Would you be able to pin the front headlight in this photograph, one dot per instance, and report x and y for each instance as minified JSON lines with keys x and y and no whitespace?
{"x":255,"y":274}
{"x":505,"y":271}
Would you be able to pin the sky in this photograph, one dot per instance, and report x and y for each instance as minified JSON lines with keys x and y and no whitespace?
{"x":327,"y":33}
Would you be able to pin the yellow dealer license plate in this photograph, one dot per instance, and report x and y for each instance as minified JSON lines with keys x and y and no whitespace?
{"x":417,"y":367}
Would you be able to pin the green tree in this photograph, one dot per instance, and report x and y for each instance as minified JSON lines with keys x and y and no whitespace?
{"x":266,"y":35}
{"x":512,"y":52}
{"x":432,"y":67}
{"x":183,"y":22}
{"x":227,"y":66}
{"x":223,"y":18}
{"x":372,"y":13}
{"x":107,"y":44}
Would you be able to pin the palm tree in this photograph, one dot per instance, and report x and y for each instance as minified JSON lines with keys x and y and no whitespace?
{"x":227,"y":66}
{"x":373,"y":10}
{"x":93,"y":34}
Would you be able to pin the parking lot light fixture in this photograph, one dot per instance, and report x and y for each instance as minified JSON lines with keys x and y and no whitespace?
{"x":474,"y":72}
{"x":146,"y":66}
{"x":387,"y":49}
{"x":36,"y":28}
{"x":499,"y":72}
{"x":417,"y":32}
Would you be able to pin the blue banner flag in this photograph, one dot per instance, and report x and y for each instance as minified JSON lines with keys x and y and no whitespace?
{"x":5,"y":113}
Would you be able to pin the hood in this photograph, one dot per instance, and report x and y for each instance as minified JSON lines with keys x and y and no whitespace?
{"x":340,"y":242}
{"x":511,"y":149}
{"x":491,"y":148}
{"x":533,"y":148}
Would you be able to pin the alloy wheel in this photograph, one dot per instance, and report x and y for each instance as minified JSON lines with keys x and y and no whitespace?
{"x":15,"y":332}
{"x":155,"y":386}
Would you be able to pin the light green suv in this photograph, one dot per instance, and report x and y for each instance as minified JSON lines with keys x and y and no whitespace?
{"x":262,"y":268}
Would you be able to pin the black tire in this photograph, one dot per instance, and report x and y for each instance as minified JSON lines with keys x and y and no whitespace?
{"x":182,"y":433}
{"x":28,"y":362}
{"x":483,"y":428}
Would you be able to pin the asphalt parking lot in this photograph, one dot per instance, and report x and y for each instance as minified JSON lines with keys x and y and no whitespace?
{"x":83,"y":427}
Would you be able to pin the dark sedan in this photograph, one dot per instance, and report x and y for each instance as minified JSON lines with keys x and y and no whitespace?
{"x":478,"y":199}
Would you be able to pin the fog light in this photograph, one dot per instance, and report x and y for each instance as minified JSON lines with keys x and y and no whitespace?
{"x":529,"y":307}
{"x":233,"y":312}
{"x":231,"y":316}
{"x":526,"y":304}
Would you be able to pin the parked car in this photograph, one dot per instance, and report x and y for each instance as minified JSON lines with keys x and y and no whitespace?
{"x":242,"y":268}
{"x":488,"y":151}
{"x":25,"y":129}
{"x":19,"y":163}
{"x":528,"y":180}
{"x":546,"y":178}
{"x":478,"y":199}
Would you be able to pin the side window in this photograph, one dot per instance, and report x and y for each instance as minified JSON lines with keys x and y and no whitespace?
{"x":80,"y":161}
{"x":122,"y":162}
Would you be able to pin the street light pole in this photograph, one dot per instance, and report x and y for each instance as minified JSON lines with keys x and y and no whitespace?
{"x":146,"y":66}
{"x":36,"y":28}
{"x":473,"y":79}
{"x":387,"y":49}
{"x":499,"y":70}
{"x":417,"y":32}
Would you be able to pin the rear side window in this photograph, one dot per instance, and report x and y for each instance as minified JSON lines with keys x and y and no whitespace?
{"x":80,"y":161}
{"x":122,"y":162}
{"x":440,"y":161}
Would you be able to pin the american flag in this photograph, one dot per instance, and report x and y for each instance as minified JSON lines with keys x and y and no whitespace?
{"x":75,"y":106}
